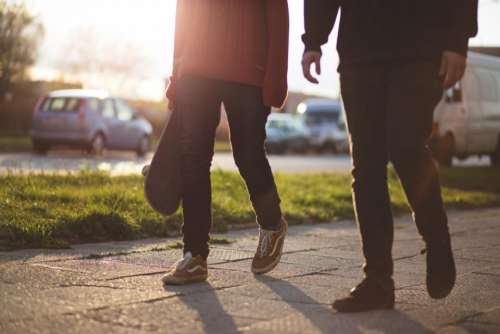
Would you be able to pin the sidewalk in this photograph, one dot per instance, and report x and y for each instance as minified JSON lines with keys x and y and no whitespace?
{"x":82,"y":291}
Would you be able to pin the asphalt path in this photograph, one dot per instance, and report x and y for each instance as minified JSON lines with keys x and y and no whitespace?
{"x":121,"y":163}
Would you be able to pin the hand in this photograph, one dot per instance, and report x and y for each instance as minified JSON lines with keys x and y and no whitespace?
{"x":452,"y":68}
{"x":308,"y":59}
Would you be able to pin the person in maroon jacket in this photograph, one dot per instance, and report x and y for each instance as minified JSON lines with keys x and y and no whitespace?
{"x":396,"y":57}
{"x":233,"y":52}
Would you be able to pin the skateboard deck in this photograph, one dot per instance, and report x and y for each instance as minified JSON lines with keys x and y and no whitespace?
{"x":162,"y":184}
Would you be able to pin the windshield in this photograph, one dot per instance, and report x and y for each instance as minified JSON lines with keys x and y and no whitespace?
{"x":320,"y":117}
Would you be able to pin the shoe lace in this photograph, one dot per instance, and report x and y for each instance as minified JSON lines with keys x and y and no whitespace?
{"x":265,"y":241}
{"x":182,"y":263}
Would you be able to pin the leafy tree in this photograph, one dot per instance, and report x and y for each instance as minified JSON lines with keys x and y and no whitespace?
{"x":20,"y":35}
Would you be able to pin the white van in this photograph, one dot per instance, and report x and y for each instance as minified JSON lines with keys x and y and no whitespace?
{"x":467,"y":120}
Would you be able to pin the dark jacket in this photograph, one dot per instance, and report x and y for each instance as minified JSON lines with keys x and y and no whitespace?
{"x":391,"y":30}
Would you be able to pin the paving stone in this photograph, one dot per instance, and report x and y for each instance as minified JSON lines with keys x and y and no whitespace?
{"x":489,"y":271}
{"x":35,"y":277}
{"x":217,"y":279}
{"x":487,"y":252}
{"x":175,"y":315}
{"x":63,"y":324}
{"x":320,"y":263}
{"x":61,"y":292}
{"x":326,"y":321}
{"x":19,"y":304}
{"x":101,"y":269}
{"x":418,"y":265}
{"x":282,"y":270}
{"x":84,"y":250}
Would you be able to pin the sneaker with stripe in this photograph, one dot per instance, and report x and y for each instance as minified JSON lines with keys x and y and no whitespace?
{"x":187,"y":270}
{"x":270,"y":248}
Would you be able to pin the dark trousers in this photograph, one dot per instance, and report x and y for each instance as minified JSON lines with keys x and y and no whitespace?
{"x":198,"y":104}
{"x":389,"y":111}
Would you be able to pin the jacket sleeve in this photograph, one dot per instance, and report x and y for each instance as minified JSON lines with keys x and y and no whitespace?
{"x":275,"y":84}
{"x":178,"y":41}
{"x":319,"y":19}
{"x":463,"y":25}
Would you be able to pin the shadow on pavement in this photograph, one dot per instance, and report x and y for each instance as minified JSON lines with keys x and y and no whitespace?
{"x":328,"y":321}
{"x":207,"y":305}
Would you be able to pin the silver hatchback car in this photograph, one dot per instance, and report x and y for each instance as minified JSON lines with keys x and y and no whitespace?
{"x":89,"y":119}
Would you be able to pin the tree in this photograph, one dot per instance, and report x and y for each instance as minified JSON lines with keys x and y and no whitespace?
{"x":20,"y":35}
{"x":102,"y":60}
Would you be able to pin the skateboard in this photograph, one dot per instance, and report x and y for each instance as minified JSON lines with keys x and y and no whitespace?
{"x":162,"y":183}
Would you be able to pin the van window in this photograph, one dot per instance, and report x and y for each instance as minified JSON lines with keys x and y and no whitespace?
{"x":488,"y":87}
{"x":471,"y":85}
{"x":61,"y":104}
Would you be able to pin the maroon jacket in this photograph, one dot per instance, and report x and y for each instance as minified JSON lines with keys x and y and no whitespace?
{"x":242,"y":41}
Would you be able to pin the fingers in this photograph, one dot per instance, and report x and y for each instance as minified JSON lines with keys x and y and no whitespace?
{"x":306,"y":70}
{"x":308,"y":59}
{"x":317,"y":63}
{"x":452,"y":68}
{"x":454,"y":73}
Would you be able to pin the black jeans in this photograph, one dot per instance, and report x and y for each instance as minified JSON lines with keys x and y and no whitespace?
{"x":198,"y":104}
{"x":389,"y":111}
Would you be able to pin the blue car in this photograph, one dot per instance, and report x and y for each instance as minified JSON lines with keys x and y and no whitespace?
{"x":89,"y":119}
{"x":286,"y":133}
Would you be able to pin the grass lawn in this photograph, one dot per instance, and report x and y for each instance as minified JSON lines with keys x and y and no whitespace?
{"x":11,"y":143}
{"x":222,"y":146}
{"x":15,"y":143}
{"x":55,"y":211}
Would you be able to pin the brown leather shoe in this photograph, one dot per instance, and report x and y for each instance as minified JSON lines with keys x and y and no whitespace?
{"x":269,"y":250}
{"x":187,"y":270}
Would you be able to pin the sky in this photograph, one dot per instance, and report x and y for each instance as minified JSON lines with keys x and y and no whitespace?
{"x":145,"y":29}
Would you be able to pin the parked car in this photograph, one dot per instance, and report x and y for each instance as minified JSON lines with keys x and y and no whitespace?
{"x":325,"y":120}
{"x":88,"y":119}
{"x":467,"y":120}
{"x":285,"y":133}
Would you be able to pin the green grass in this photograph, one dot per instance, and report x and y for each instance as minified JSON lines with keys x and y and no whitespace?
{"x":222,"y":146}
{"x":55,"y":211}
{"x":20,"y":143}
{"x":15,"y":143}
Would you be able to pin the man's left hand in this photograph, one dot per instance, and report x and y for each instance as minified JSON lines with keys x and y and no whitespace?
{"x":452,"y":68}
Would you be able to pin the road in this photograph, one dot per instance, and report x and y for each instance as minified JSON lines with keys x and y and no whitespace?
{"x":120,"y":163}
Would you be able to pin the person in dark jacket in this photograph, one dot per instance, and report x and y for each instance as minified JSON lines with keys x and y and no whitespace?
{"x":396,"y":57}
{"x":233,"y":52}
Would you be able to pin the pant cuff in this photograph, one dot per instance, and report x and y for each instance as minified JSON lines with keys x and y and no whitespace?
{"x":267,"y":209}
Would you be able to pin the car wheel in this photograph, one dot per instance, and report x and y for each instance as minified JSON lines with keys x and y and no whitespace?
{"x":144,"y":146}
{"x":98,"y":145}
{"x":40,"y":148}
{"x":495,"y":156}
{"x":446,"y":150}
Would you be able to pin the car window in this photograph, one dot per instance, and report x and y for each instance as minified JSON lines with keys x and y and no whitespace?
{"x":72,"y":104}
{"x":319,"y":117}
{"x":124,"y":112}
{"x":61,"y":104}
{"x":108,"y":110}
{"x":93,"y":105}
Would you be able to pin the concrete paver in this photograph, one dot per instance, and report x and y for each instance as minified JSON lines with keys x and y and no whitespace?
{"x":116,"y":287}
